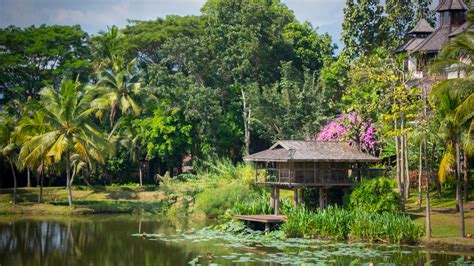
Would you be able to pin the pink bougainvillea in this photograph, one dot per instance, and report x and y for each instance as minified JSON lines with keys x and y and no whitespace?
{"x":350,"y":128}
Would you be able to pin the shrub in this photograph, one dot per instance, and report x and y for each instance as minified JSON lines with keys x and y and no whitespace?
{"x":376,"y":195}
{"x":215,"y":201}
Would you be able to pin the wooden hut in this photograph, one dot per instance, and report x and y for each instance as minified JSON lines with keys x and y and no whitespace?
{"x":296,"y":165}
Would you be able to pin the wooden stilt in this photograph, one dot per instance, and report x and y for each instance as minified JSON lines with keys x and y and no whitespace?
{"x":321,"y":198}
{"x":277,"y":201}
{"x":295,"y":197}
{"x":302,"y":196}
{"x":272,"y":197}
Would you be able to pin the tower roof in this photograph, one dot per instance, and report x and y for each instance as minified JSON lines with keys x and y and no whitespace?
{"x":422,"y":27}
{"x":451,"y":5}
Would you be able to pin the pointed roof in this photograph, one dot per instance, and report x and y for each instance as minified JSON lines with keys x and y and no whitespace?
{"x":451,"y":5}
{"x":311,"y":151}
{"x":422,"y":27}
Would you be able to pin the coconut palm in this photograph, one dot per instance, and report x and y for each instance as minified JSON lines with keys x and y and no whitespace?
{"x":454,"y":102}
{"x":67,"y":129}
{"x":8,"y":147}
{"x":120,"y":88}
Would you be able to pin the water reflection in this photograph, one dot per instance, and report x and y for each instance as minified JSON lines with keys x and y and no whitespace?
{"x":92,"y":241}
{"x":107,"y":240}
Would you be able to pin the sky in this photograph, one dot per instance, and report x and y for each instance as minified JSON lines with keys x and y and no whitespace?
{"x":96,"y":15}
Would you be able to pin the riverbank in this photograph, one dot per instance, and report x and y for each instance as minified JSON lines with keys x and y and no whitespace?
{"x":87,"y":200}
{"x":151,"y":200}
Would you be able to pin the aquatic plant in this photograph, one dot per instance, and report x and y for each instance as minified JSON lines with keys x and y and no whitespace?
{"x":339,"y":224}
{"x":385,"y":227}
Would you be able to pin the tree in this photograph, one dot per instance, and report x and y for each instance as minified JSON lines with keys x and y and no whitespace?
{"x":120,"y":87}
{"x":453,"y":100}
{"x":166,"y":137}
{"x":69,"y":129}
{"x":292,"y":108}
{"x":34,"y":57}
{"x":146,"y":40}
{"x":399,"y":18}
{"x":8,"y":147}
{"x":352,"y":129}
{"x":363,"y":27}
{"x":423,"y":10}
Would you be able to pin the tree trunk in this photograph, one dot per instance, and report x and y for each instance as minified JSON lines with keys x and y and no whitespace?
{"x":14,"y":200}
{"x":436,"y":177}
{"x":466,"y":178}
{"x":28,"y":177}
{"x":140,"y":174}
{"x":420,"y":172}
{"x":407,"y":173}
{"x":68,"y":179}
{"x":246,"y":114}
{"x":458,"y":187}
{"x":427,"y":179}
{"x":397,"y":149}
{"x":40,"y":197}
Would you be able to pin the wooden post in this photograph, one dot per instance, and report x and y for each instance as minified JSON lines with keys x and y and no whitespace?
{"x":295,"y":197}
{"x":302,"y":196}
{"x":277,"y":200}
{"x":272,"y":197}
{"x":321,"y":198}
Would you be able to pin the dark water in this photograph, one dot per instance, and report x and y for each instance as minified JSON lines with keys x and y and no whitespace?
{"x":108,"y":240}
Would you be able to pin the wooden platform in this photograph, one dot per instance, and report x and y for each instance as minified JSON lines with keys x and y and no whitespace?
{"x":261,"y":218}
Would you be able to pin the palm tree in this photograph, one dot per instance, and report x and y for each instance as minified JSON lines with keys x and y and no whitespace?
{"x":454,"y":102}
{"x":131,"y":137}
{"x":106,"y":47}
{"x":67,"y":129}
{"x":8,"y":147}
{"x":120,"y":88}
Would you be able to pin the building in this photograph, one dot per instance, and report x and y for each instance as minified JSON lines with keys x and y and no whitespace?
{"x":296,"y":165}
{"x":426,"y":42}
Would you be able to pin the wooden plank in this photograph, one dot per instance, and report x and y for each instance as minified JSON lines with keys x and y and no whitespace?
{"x":261,"y":218}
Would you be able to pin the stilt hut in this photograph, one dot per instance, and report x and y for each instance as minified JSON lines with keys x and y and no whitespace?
{"x":296,"y":165}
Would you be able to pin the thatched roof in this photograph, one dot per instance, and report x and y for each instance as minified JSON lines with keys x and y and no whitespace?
{"x":436,"y":40}
{"x":464,"y":27}
{"x":422,"y":27}
{"x":410,"y":45}
{"x":313,"y":151}
{"x":448,"y":5}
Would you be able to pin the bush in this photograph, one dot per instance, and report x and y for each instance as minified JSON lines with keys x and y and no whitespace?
{"x":376,"y":195}
{"x":215,"y":201}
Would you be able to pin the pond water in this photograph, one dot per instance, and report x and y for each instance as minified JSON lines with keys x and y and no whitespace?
{"x":134,"y":240}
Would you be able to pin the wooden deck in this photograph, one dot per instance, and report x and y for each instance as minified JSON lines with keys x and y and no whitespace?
{"x":261,"y":218}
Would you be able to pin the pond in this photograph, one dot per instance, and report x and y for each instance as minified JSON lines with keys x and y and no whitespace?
{"x":134,"y":240}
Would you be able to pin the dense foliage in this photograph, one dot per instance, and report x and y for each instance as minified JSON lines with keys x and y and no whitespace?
{"x":376,"y":196}
{"x":358,"y":224}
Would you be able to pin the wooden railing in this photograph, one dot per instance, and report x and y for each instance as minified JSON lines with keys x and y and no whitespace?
{"x":334,"y":176}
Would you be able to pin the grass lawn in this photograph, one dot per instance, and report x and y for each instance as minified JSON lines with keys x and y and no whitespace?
{"x":445,"y":221}
{"x":110,"y":199}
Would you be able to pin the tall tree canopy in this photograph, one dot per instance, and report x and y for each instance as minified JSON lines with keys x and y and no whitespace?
{"x":33,"y":57}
